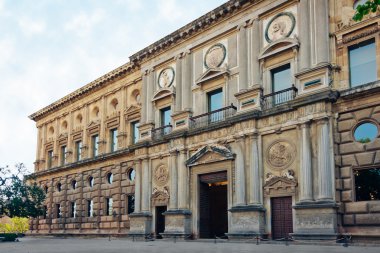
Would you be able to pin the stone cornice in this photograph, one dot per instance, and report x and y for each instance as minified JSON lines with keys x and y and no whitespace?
{"x":190,"y":29}
{"x":90,"y":87}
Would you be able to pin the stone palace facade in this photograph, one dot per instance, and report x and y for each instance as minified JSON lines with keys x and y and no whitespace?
{"x":260,"y":117}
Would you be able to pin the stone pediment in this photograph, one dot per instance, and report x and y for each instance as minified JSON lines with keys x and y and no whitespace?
{"x":160,"y":197}
{"x":93,"y":124}
{"x":280,"y":185}
{"x":210,"y":154}
{"x":132,"y":112}
{"x":163,"y":92}
{"x":279,"y":46}
{"x":210,"y":74}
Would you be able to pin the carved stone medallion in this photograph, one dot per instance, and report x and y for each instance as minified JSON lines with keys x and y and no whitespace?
{"x":166,"y":77}
{"x":215,"y":56}
{"x":280,"y":26}
{"x":161,"y":175}
{"x":280,"y":155}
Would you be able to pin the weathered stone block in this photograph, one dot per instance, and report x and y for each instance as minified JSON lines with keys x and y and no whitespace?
{"x":347,"y":184}
{"x":346,"y":137}
{"x":349,"y":160}
{"x":363,"y":114}
{"x":365,"y":158}
{"x":352,"y":147}
{"x":316,"y":221}
{"x":347,"y":196}
{"x":346,"y":125}
{"x":344,"y":116}
{"x":348,"y":219}
{"x":346,"y":172}
{"x":377,"y":157}
{"x":374,"y":206}
{"x":373,"y":145}
{"x":338,"y":184}
{"x":356,"y":207}
{"x":368,"y":219}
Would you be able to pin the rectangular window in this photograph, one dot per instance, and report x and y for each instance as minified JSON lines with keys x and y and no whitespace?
{"x":166,"y":119}
{"x":63,"y":155}
{"x":131,"y":203}
{"x":78,"y":150}
{"x":58,"y":210}
{"x":95,"y":145}
{"x":49,"y":158}
{"x":367,"y":186}
{"x":73,"y":212}
{"x":135,"y":132}
{"x":362,"y":57}
{"x":90,"y":208}
{"x":281,"y":80}
{"x":215,"y":102}
{"x":109,"y":204}
{"x":113,"y":140}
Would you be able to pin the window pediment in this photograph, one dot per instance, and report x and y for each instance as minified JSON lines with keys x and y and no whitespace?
{"x":163,"y":93}
{"x":211,"y":74}
{"x":279,"y":46}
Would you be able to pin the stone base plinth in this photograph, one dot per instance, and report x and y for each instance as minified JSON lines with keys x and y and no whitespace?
{"x":177,"y":224}
{"x":315,"y":221}
{"x":246,"y":221}
{"x":145,"y":131}
{"x":181,"y":120}
{"x":140,"y":224}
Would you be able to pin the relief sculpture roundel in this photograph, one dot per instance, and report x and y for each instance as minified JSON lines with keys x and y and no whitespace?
{"x":215,"y":56}
{"x":166,"y":77}
{"x":161,"y":175}
{"x":280,"y":26}
{"x":280,"y":155}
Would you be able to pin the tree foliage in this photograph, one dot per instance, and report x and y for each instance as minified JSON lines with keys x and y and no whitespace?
{"x":15,"y":225}
{"x":19,"y":197}
{"x":365,"y":9}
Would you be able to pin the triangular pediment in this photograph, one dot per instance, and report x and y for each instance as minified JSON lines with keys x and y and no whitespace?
{"x":280,"y":182}
{"x":210,"y":74}
{"x":279,"y":46}
{"x":93,"y":124}
{"x":162,"y":93}
{"x":210,"y":154}
{"x":63,"y":136}
{"x":132,"y":109}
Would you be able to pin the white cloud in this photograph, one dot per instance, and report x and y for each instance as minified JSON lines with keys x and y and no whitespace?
{"x":6,"y":51}
{"x":170,"y":10}
{"x":132,"y":5}
{"x":31,"y":27}
{"x":84,"y":23}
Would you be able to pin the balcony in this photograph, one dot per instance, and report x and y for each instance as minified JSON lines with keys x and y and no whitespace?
{"x":213,"y":117}
{"x":279,"y":97}
{"x":159,"y":132}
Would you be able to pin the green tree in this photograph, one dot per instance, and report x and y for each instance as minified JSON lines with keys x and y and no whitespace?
{"x":365,"y":9}
{"x":19,"y":197}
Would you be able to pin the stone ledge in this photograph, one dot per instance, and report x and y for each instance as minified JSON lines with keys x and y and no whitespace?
{"x":176,"y":212}
{"x":314,"y":236}
{"x":319,"y":204}
{"x":141,"y":214}
{"x":247,"y":208}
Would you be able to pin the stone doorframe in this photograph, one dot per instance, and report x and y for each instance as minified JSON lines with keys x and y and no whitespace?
{"x":279,"y":186}
{"x":197,"y":170}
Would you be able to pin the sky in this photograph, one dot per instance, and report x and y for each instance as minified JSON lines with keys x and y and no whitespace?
{"x":49,"y":48}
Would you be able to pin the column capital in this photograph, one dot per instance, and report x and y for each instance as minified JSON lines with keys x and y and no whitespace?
{"x":323,"y":121}
{"x":173,"y":152}
{"x":186,"y":53}
{"x":178,"y":56}
{"x":304,"y":124}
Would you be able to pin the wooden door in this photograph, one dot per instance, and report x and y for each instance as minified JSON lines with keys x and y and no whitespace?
{"x":282,"y":218}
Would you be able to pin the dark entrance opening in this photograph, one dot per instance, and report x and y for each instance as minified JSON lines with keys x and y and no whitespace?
{"x":213,"y":205}
{"x":160,"y":220}
{"x":282,"y":219}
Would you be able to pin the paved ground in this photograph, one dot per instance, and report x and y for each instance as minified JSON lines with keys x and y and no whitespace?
{"x":103,"y":245}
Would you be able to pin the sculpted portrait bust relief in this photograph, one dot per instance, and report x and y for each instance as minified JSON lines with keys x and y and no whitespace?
{"x":280,"y":26}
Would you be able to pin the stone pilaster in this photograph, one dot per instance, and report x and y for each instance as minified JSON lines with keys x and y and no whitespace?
{"x":173,"y":203}
{"x":254,"y":174}
{"x":186,"y":81}
{"x":321,"y":32}
{"x":255,"y":51}
{"x":304,"y":53}
{"x":325,"y":175}
{"x":183,"y":181}
{"x":145,"y":203}
{"x":138,"y":186}
{"x":306,"y":184}
{"x":178,"y":83}
{"x":151,"y":87}
{"x":143,"y":97}
{"x":240,"y":187}
{"x":243,"y":61}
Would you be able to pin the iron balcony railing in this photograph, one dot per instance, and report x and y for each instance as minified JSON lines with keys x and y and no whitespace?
{"x":279,"y":97}
{"x":212,"y":117}
{"x":159,"y":132}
